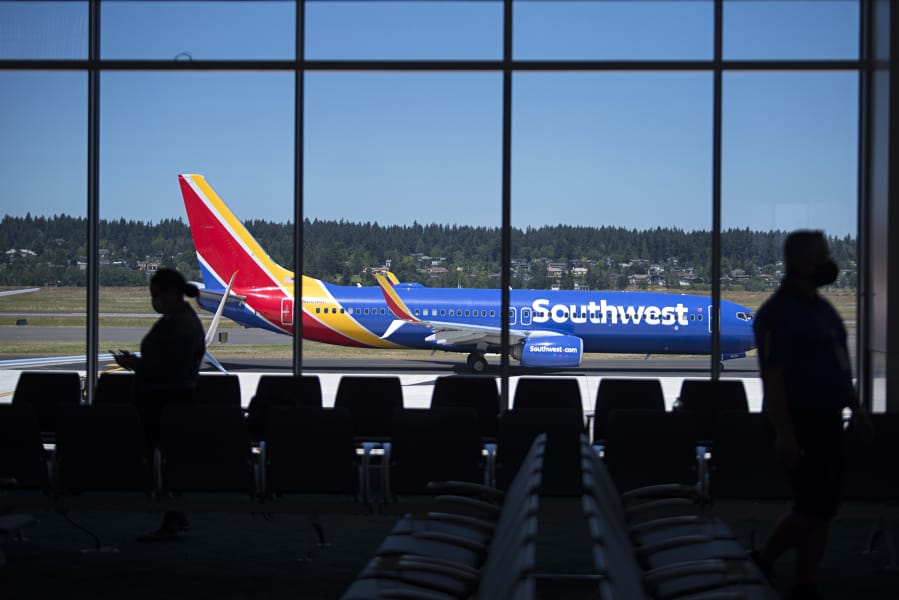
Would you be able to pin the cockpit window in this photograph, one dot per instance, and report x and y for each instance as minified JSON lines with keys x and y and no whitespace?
{"x":743,"y":316}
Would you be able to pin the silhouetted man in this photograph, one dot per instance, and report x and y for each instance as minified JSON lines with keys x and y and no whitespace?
{"x":807,"y":383}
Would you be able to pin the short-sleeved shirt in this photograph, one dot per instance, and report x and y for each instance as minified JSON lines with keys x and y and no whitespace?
{"x":804,"y":335}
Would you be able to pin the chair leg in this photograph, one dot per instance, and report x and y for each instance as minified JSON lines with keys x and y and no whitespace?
{"x":873,"y":536}
{"x":319,"y":527}
{"x":891,"y":544}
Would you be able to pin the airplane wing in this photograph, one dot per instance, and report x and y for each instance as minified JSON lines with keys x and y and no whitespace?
{"x":14,"y":292}
{"x":446,"y":333}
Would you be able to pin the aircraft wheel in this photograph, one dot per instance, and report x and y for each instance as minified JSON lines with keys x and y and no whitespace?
{"x":477,"y":362}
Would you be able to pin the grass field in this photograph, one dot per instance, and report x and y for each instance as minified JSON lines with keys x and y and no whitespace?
{"x":65,"y":306}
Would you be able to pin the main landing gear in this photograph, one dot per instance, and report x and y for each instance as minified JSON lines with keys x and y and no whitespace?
{"x":477,"y":362}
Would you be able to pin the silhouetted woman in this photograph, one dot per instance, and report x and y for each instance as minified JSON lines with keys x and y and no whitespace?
{"x":168,"y":366}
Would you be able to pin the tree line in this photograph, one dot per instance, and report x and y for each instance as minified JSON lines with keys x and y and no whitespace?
{"x":43,"y":250}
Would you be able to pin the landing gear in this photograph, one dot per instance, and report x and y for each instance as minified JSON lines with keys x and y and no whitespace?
{"x":477,"y":362}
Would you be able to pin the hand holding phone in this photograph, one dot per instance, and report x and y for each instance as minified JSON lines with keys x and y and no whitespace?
{"x":124,"y":358}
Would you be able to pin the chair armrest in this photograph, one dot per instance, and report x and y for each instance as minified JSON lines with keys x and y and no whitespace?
{"x":446,"y":538}
{"x":681,"y":505}
{"x":469,"y":503}
{"x":455,"y":519}
{"x":409,"y":594}
{"x":661,"y":523}
{"x":466,"y":487}
{"x":672,"y":543}
{"x":662,"y":490}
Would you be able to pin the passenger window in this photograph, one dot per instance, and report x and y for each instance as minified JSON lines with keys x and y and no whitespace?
{"x":467,"y":313}
{"x":483,"y":313}
{"x":492,"y":313}
{"x":442,"y":312}
{"x":318,"y":309}
{"x":382,"y":311}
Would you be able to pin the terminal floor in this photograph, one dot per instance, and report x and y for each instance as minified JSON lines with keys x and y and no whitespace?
{"x":226,"y":556}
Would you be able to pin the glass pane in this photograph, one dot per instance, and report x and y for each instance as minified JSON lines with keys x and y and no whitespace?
{"x":617,"y":30}
{"x":404,"y":30}
{"x":612,"y":194}
{"x":234,"y":129}
{"x":198,"y":30}
{"x":43,"y":186}
{"x":402,"y":174}
{"x":789,"y":161}
{"x":43,"y":30}
{"x":783,"y":29}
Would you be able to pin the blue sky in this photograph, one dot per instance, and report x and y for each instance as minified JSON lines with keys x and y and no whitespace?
{"x":629,"y":149}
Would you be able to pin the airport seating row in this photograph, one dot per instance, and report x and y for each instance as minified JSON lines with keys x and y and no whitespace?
{"x":652,"y":543}
{"x":307,"y":447}
{"x":640,"y":441}
{"x":374,"y":398}
{"x":464,"y":547}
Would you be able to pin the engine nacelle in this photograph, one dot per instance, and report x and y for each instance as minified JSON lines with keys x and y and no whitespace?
{"x":550,"y":351}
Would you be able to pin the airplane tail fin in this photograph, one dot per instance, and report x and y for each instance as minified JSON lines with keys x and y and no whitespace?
{"x":224,"y":245}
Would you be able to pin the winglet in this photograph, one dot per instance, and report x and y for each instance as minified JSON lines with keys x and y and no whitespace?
{"x":394,"y":302}
{"x":391,"y":278}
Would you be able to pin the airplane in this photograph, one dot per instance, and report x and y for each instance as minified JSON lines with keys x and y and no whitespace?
{"x":547,"y":329}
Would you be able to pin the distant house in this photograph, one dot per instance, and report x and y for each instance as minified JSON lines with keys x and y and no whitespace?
{"x":20,"y":252}
{"x":150,"y":266}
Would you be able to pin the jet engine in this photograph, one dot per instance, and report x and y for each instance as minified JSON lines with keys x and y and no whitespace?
{"x":549,"y":351}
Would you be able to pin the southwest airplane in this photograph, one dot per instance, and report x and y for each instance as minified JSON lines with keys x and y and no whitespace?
{"x":546,"y":328}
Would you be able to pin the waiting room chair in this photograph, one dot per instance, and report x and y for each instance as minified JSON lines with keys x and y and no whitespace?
{"x":478,"y":393}
{"x":115,"y":387}
{"x":558,"y":393}
{"x":218,"y":388}
{"x":645,"y":447}
{"x":24,"y":464}
{"x":310,"y":450}
{"x":102,"y":448}
{"x":706,"y":398}
{"x":561,"y":467}
{"x":371,"y":401}
{"x":281,"y":390}
{"x":205,"y":448}
{"x":624,"y":394}
{"x":872,"y":477}
{"x":436,"y":444}
{"x":302,"y":390}
{"x":45,"y":391}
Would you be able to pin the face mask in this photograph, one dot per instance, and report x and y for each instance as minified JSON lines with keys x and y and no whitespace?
{"x":158,"y":306}
{"x":824,"y":273}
